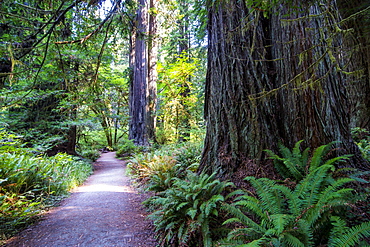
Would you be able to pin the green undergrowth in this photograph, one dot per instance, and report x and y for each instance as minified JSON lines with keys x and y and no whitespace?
{"x":30,"y":183}
{"x":157,"y":168}
{"x":362,"y":139}
{"x":315,"y":205}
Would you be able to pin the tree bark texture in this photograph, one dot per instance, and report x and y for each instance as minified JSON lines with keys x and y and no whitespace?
{"x":139,"y":84}
{"x":357,"y":42}
{"x":152,"y":70}
{"x":270,"y":81}
{"x":313,"y":103}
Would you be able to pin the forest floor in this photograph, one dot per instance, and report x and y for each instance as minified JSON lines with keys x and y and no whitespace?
{"x":104,"y":212}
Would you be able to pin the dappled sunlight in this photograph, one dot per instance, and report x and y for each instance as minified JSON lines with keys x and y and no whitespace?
{"x":104,"y":188}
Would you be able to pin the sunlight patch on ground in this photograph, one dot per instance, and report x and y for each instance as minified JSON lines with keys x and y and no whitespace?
{"x":105,"y":188}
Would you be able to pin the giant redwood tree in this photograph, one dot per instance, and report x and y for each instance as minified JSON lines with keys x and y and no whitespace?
{"x":143,"y":59}
{"x":274,"y":76}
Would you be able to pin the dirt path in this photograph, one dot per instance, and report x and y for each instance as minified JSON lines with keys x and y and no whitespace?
{"x":104,"y":212}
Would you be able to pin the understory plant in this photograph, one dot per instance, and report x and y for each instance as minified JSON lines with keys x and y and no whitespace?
{"x":143,"y":167}
{"x":30,"y":182}
{"x":157,"y":168}
{"x":362,"y":139}
{"x":187,"y":213}
{"x":296,"y":164}
{"x":16,"y":211}
{"x":90,"y":154}
{"x":38,"y":175}
{"x":189,"y":153}
{"x":127,"y":148}
{"x":313,"y":213}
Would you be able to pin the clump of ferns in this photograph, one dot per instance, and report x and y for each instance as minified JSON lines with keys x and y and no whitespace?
{"x":296,"y":164}
{"x":310,"y":214}
{"x":162,"y":181}
{"x":187,"y":213}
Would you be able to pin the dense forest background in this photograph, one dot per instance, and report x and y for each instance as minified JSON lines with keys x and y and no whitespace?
{"x":233,"y":84}
{"x":67,"y":69}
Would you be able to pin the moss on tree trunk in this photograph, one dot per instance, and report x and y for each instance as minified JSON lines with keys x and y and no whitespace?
{"x":270,"y":81}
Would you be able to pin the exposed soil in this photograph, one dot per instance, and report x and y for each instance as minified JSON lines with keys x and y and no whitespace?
{"x":105,"y":212}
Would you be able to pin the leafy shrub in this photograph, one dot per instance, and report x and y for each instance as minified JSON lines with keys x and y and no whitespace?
{"x":187,"y":212}
{"x":156,"y":170}
{"x":67,"y":172}
{"x":163,"y":136}
{"x":90,"y":154}
{"x":344,"y":236}
{"x":190,"y":153}
{"x":37,"y":175}
{"x":127,"y":148}
{"x":15,"y":212}
{"x":27,"y":180}
{"x":146,"y":165}
{"x":92,"y":139}
{"x":10,"y":143}
{"x":362,"y":139}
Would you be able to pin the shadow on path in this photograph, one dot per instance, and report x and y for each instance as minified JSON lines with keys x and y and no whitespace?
{"x":104,"y":212}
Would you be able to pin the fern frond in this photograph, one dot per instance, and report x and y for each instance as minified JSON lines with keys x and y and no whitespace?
{"x":339,"y":227}
{"x":292,"y":202}
{"x":285,"y":152}
{"x":357,"y":176}
{"x":318,"y":155}
{"x":305,"y":158}
{"x":206,"y":235}
{"x":303,"y":231}
{"x":280,"y":221}
{"x":269,"y":199}
{"x":279,"y":164}
{"x":256,"y":243}
{"x":181,"y":205}
{"x":333,"y":191}
{"x":297,"y":149}
{"x":308,"y":188}
{"x":244,"y":234}
{"x":336,"y":159}
{"x":235,"y":193}
{"x":240,"y":217}
{"x":250,"y":204}
{"x":351,"y":237}
{"x":291,"y":164}
{"x":290,"y":240}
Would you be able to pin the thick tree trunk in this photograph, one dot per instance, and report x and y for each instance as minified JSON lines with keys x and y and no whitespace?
{"x":358,"y":45}
{"x":269,"y":82}
{"x":139,"y":86}
{"x":313,"y":105}
{"x":237,"y":128}
{"x":152,"y":71}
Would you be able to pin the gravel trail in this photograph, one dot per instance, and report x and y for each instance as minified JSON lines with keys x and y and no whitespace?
{"x":105,"y":212}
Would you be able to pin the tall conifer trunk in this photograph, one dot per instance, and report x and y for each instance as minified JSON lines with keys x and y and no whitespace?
{"x":269,"y":82}
{"x":152,"y":70}
{"x":139,"y":83}
{"x":143,"y":88}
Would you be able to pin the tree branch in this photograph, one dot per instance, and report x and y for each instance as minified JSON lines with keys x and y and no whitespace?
{"x":113,"y":10}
